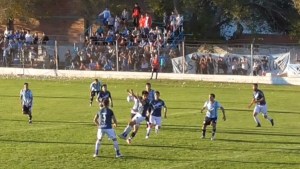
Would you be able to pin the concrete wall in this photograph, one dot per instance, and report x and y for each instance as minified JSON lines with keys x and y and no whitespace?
{"x":146,"y":75}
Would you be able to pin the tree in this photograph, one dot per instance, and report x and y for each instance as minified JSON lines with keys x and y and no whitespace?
{"x":11,"y":9}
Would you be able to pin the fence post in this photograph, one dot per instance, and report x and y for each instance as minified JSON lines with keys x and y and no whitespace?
{"x":56,"y":57}
{"x":117,"y":55}
{"x":183,"y":57}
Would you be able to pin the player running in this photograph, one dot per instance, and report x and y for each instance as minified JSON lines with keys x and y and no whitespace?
{"x":95,"y":88}
{"x":261,"y":105}
{"x":104,"y":95}
{"x":26,"y":98}
{"x":105,"y":120}
{"x":211,"y":117}
{"x":139,"y":117}
{"x":156,"y":107}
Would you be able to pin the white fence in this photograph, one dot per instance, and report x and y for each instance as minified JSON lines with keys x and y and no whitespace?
{"x":146,"y":75}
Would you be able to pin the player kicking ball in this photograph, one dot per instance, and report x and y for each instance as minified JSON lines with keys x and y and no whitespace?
{"x":211,"y":117}
{"x":138,"y":118}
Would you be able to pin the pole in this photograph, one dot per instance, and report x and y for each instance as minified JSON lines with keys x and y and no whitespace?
{"x":56,"y":56}
{"x":23,"y":58}
{"x":251,"y":68}
{"x":183,"y":57}
{"x":117,"y":55}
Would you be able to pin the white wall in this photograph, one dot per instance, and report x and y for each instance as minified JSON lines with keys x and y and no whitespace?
{"x":146,"y":75}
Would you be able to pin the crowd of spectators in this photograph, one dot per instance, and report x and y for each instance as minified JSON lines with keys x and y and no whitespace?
{"x":138,"y":42}
{"x":20,"y":45}
{"x":207,"y":64}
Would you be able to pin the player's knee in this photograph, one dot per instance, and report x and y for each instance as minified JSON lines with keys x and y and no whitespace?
{"x":254,"y":114}
{"x":114,"y":139}
{"x":265,"y":116}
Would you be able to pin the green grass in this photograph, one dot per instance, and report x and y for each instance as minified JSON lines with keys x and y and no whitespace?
{"x":63,"y":134}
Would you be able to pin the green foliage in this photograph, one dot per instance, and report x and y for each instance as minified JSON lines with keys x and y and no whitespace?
{"x":63,"y":135}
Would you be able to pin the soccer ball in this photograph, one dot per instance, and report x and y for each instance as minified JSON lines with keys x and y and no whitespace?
{"x":130,"y":98}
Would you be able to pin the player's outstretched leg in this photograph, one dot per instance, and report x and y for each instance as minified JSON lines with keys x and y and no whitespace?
{"x":269,"y":118}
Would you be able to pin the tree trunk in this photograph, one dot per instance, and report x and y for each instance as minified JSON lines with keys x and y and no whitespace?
{"x":10,"y":24}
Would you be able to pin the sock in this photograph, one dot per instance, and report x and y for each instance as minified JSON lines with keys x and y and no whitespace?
{"x":156,"y":129}
{"x":91,"y":100}
{"x":256,"y":120}
{"x":116,"y":146}
{"x":97,"y":147}
{"x":132,"y":135}
{"x":213,"y":132}
{"x":203,"y":132}
{"x":148,"y":130}
{"x":30,"y":117}
{"x":127,"y":130}
{"x":269,"y":118}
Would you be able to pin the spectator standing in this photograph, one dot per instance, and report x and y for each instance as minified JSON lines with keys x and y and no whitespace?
{"x":136,"y":12}
{"x":105,"y":14}
{"x":125,"y":16}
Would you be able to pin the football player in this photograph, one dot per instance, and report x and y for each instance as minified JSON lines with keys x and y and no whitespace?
{"x":211,"y":117}
{"x":261,"y":105}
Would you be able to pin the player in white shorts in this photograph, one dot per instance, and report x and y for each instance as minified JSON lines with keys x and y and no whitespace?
{"x":261,"y":105}
{"x":156,"y":107}
{"x":105,"y":119}
{"x":138,"y":118}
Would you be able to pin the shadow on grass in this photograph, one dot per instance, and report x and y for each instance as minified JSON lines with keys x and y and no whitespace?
{"x":105,"y":144}
{"x":260,"y":162}
{"x":271,"y":111}
{"x":259,"y":141}
{"x":258,"y":132}
{"x":60,"y":97}
{"x":155,"y":158}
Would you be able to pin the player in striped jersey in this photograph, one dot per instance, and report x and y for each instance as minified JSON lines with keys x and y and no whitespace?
{"x":95,"y":88}
{"x":104,"y":95}
{"x":105,"y":120}
{"x":140,"y":116}
{"x":156,"y":107}
{"x":26,"y":98}
{"x":261,"y":105}
{"x":211,"y":117}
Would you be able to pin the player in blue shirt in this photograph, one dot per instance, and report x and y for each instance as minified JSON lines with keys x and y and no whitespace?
{"x":95,"y":88}
{"x":139,"y":117}
{"x":105,"y":120}
{"x":151,"y":94}
{"x":105,"y":95}
{"x":261,"y":105}
{"x":26,"y":98}
{"x":211,"y":117}
{"x":156,"y":107}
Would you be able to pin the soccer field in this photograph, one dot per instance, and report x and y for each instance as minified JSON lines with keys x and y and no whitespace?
{"x":63,"y":134}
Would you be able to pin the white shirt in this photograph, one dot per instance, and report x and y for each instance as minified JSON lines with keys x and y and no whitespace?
{"x":212,"y":109}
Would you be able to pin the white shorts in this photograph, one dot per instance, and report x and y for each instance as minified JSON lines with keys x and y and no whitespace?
{"x":110,"y":133}
{"x":261,"y":109}
{"x":138,"y":118}
{"x":155,"y":120}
